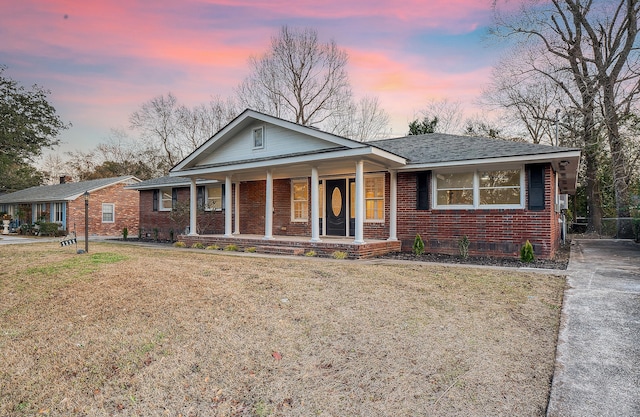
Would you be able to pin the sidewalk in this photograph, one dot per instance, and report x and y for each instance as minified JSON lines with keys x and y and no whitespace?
{"x":598,"y":355}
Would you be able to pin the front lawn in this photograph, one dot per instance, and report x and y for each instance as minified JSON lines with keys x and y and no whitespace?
{"x":126,"y":330}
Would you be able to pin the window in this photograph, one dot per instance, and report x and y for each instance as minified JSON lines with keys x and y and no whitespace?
{"x":108,"y":212}
{"x":258,"y":137}
{"x":215,"y":197}
{"x":299,"y":200}
{"x":454,"y":189}
{"x":156,"y":194}
{"x":58,"y":212}
{"x":374,"y":198}
{"x":41,"y":212}
{"x":166,"y":199}
{"x":479,"y":189}
{"x":500,"y":187}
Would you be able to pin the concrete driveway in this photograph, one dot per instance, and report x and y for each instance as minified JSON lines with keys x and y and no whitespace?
{"x":598,"y":356}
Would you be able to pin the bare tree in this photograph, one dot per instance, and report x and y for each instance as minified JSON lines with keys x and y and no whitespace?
{"x":362,"y":121}
{"x":298,"y":79}
{"x":448,"y":114}
{"x":587,"y":49}
{"x":157,"y":120}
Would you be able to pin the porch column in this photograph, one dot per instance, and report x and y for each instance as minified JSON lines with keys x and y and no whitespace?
{"x":268,"y":214}
{"x":236,"y":214}
{"x":393,"y":205}
{"x":315,"y":208}
{"x":193,"y":208}
{"x":227,"y":206}
{"x":359,"y":202}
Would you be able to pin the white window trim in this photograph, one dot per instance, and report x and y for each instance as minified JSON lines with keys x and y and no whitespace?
{"x":383,"y":198}
{"x":476,"y":190}
{"x":253,"y":140}
{"x":161,"y":206}
{"x":295,"y":219}
{"x":113,"y":212}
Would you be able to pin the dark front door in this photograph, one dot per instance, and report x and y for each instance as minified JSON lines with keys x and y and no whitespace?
{"x":336,"y":199}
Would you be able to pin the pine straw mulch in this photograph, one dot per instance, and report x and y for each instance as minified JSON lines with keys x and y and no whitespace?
{"x":127,"y":331}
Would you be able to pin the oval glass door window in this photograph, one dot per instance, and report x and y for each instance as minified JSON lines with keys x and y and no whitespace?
{"x":336,"y":202}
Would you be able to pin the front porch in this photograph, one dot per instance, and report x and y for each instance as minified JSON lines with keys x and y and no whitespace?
{"x":298,"y":245}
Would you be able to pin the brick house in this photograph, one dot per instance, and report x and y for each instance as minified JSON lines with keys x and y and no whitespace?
{"x":112,"y":206}
{"x":298,"y":186}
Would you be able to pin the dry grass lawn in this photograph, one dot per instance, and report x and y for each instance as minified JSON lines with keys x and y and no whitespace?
{"x":129,"y":331}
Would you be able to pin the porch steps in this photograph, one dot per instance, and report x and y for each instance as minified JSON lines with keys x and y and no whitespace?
{"x":280,"y":250}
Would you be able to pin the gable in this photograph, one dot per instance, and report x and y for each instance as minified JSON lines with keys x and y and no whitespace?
{"x":278,"y":141}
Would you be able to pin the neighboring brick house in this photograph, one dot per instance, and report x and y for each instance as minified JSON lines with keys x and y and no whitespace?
{"x":289,"y":180}
{"x":112,"y":207}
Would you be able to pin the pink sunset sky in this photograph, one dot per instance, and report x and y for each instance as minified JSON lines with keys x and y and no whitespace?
{"x":103,"y":59}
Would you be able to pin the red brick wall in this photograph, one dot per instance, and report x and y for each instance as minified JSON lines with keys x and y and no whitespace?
{"x":494,"y":232}
{"x":125,"y":213}
{"x":209,"y":222}
{"x":499,"y":232}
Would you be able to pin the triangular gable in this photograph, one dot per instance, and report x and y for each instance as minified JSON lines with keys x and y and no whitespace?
{"x":234,"y":142}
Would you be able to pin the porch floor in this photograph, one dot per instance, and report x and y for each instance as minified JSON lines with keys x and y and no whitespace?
{"x":299,"y":245}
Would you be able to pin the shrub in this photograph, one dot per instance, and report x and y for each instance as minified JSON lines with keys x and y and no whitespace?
{"x":155,"y":233}
{"x":140,"y":233}
{"x":339,"y":255}
{"x":251,"y":249}
{"x":197,"y":245}
{"x":180,"y":244}
{"x":231,"y":247}
{"x":171,"y":235}
{"x":310,"y":253}
{"x":526,"y":252}
{"x":125,"y":233}
{"x":212,"y":247}
{"x":463,"y":246}
{"x":48,"y":229}
{"x":636,"y":229}
{"x":418,"y":245}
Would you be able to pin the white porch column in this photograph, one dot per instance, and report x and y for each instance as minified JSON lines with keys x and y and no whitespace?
{"x":236,"y":218}
{"x":393,"y":205}
{"x":193,"y":208}
{"x":359,"y":202}
{"x":227,"y":206}
{"x":315,"y":208}
{"x":268,"y":214}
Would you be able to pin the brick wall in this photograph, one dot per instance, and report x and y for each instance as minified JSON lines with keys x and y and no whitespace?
{"x":125,"y":212}
{"x":493,"y":232}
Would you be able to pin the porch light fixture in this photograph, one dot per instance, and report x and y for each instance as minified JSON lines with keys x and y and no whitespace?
{"x":86,"y":221}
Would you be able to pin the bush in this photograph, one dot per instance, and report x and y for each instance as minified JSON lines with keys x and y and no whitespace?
{"x":463,"y":246}
{"x":251,"y":249}
{"x":155,"y":233}
{"x":636,"y":229}
{"x":125,"y":233}
{"x":197,"y":245}
{"x":212,"y":247}
{"x":180,"y":244}
{"x":310,"y":253}
{"x":48,"y":229}
{"x":232,"y":248}
{"x":526,"y":252}
{"x":339,"y":255}
{"x":418,"y":245}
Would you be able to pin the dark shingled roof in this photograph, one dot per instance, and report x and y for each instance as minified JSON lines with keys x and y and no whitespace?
{"x":438,"y":148}
{"x":60,"y":192}
{"x":166,"y":181}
